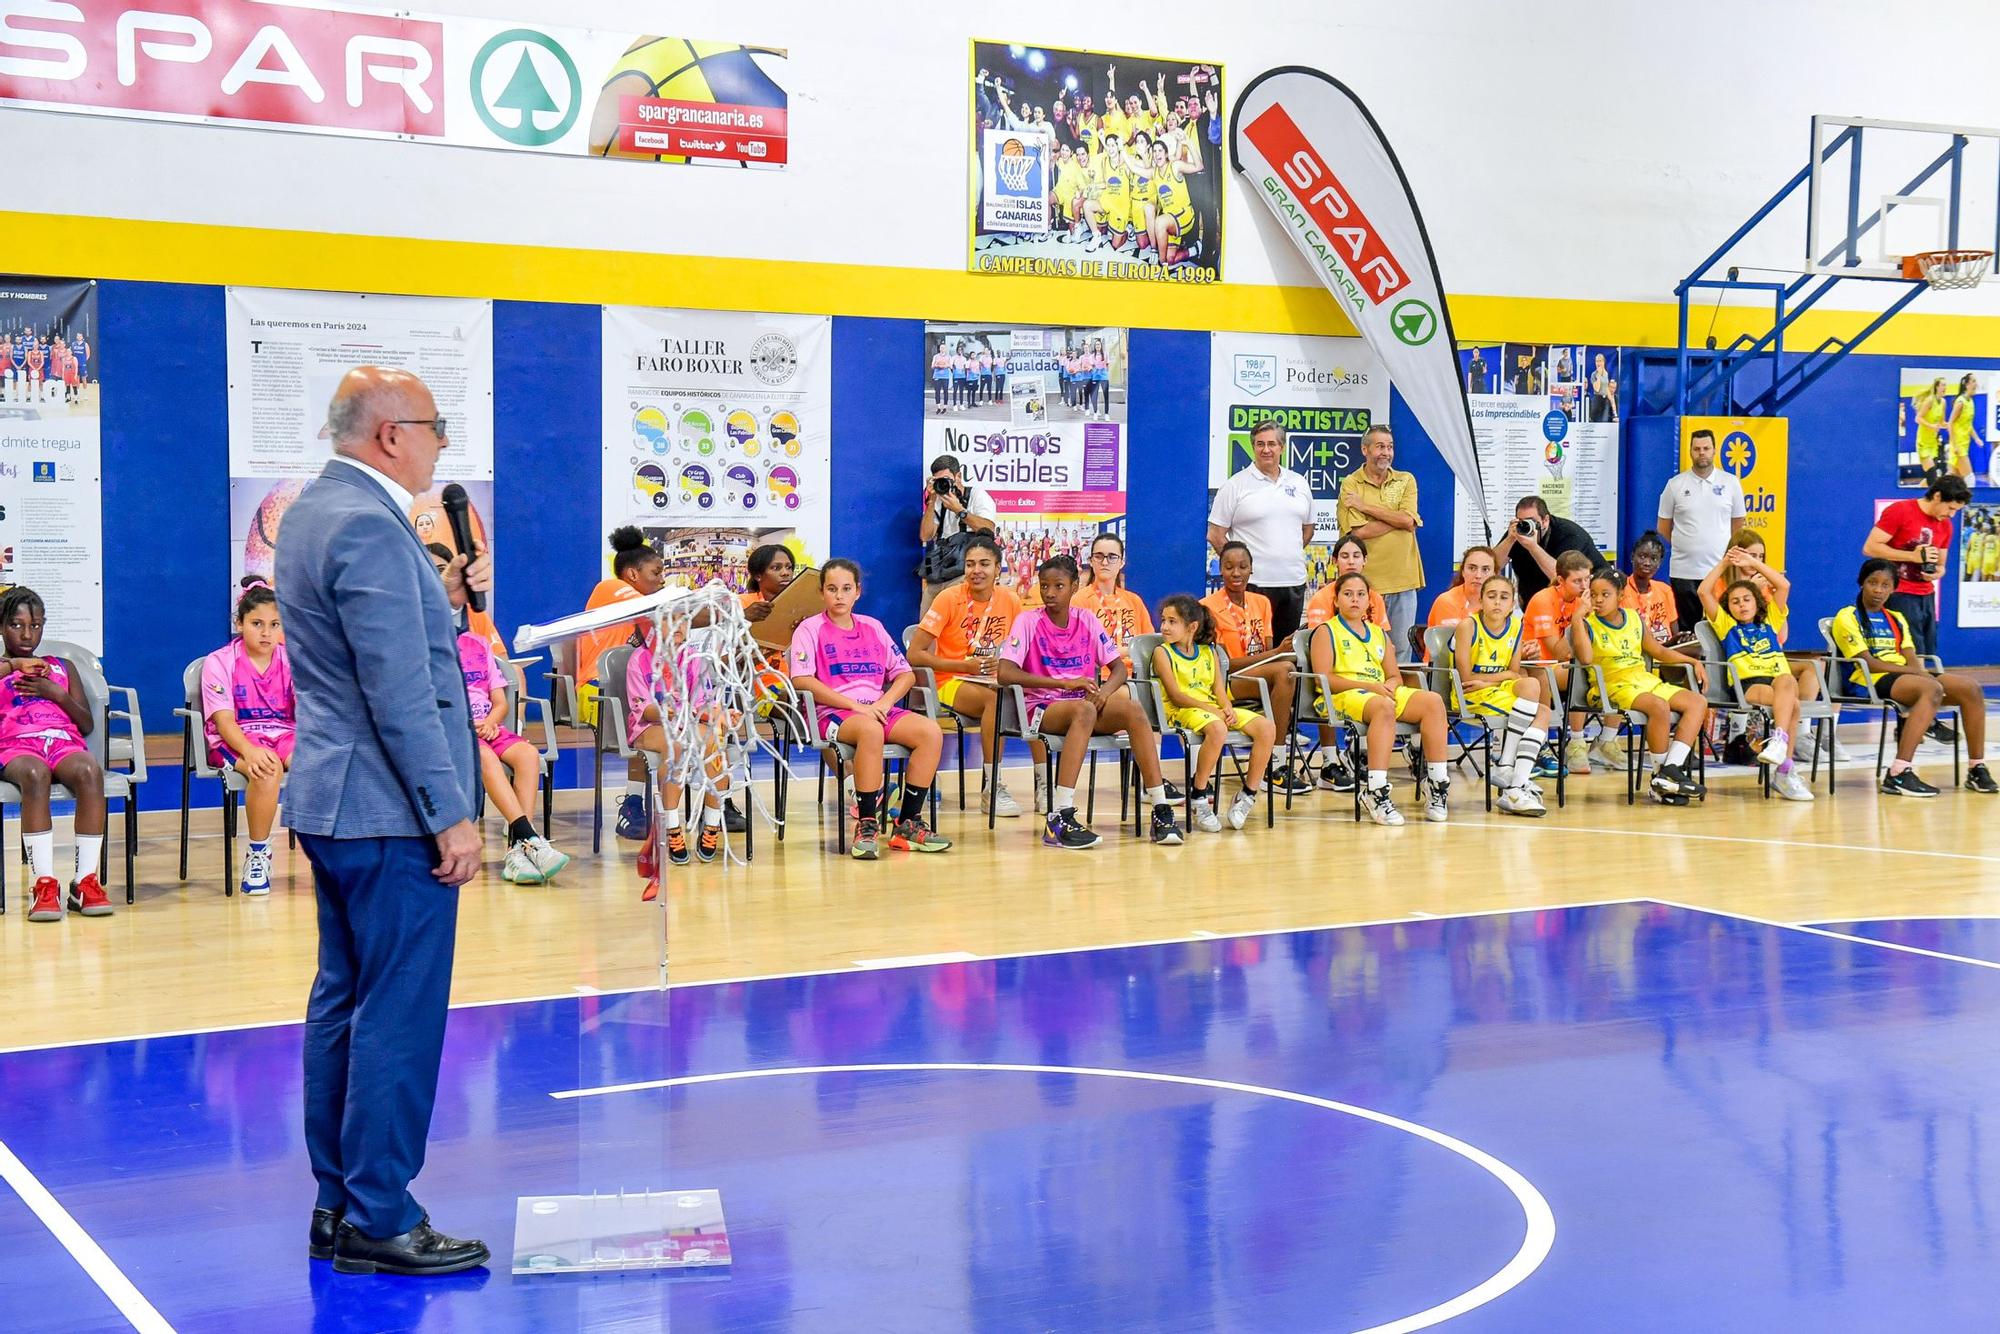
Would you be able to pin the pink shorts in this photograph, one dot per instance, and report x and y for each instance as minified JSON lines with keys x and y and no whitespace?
{"x":50,"y":751}
{"x":831,"y":719}
{"x":281,"y":744}
{"x":502,"y":742}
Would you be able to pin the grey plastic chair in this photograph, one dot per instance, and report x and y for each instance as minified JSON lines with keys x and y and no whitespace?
{"x":1014,"y":712}
{"x":521,"y":705}
{"x":1442,"y":645}
{"x":840,"y":755}
{"x":1153,"y":704}
{"x":1317,"y":688}
{"x":120,"y":785}
{"x":927,"y":682}
{"x":195,"y":763}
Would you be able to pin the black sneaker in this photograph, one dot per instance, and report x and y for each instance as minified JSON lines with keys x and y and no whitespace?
{"x":1166,"y":830}
{"x":1906,"y":784}
{"x":1942,"y":733}
{"x":1174,"y":792}
{"x":1066,"y":831}
{"x":1669,"y":798}
{"x":1674,"y":780}
{"x":1977,"y":779}
{"x":1335,"y":776}
{"x":732,"y":819}
{"x":1282,"y":778}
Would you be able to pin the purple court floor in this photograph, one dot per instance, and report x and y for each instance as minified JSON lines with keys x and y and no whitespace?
{"x":1628,"y":1116}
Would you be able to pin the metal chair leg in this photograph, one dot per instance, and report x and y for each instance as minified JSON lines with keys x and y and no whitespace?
{"x":596,"y":791}
{"x":186,"y":799}
{"x":131,"y":840}
{"x":228,"y":841}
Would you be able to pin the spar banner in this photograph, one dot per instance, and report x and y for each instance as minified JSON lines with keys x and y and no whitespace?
{"x":1325,"y":392}
{"x":329,"y":69}
{"x":1036,"y":418}
{"x":1087,"y":164}
{"x":51,"y":508}
{"x":718,"y":435}
{"x":1320,"y":163}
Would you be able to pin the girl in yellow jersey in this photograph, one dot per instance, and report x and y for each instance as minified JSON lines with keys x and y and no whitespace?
{"x":1172,"y":221}
{"x":1989,"y":557}
{"x":1930,"y":426}
{"x":1356,"y":663}
{"x":1617,"y":642}
{"x":1114,"y":188}
{"x":1741,"y":621}
{"x":1487,"y":651}
{"x":1188,"y":665}
{"x":1960,"y":430}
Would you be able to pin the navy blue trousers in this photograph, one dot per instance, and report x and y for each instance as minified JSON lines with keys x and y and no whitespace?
{"x":375,"y":1023}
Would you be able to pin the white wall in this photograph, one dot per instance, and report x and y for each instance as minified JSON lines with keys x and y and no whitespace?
{"x":1558,"y":148}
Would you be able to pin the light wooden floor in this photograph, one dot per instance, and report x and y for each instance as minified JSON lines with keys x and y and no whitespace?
{"x":188,"y":958}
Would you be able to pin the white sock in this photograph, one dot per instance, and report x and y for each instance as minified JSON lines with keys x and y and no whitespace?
{"x":634,"y":788}
{"x":1065,"y":799}
{"x":673,"y":816}
{"x":1157,"y":796}
{"x":1377,"y":778}
{"x":1677,"y":752}
{"x":89,"y":848}
{"x":1659,"y":760}
{"x":260,"y":845}
{"x":1436,"y":770}
{"x":1531,"y":749}
{"x":1519,"y":719}
{"x":711,"y":815}
{"x":42,"y":853}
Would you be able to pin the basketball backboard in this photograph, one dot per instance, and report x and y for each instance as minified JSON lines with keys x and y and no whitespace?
{"x":1879,"y":190}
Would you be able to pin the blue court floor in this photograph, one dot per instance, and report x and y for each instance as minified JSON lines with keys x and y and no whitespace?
{"x":1628,"y":1117}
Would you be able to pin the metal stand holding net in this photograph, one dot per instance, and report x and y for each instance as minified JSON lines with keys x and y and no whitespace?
{"x":713,"y":688}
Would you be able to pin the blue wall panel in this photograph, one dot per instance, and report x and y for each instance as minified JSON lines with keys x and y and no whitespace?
{"x":166,"y":474}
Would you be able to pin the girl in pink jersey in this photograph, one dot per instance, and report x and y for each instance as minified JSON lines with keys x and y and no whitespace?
{"x":643,"y":732}
{"x":43,"y":719}
{"x":1055,"y":653}
{"x":531,"y":858}
{"x":856,"y":675}
{"x":247,"y":718}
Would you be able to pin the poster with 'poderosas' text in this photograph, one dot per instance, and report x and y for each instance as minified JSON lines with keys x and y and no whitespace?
{"x":1545,"y":421}
{"x":51,"y":510}
{"x":718,"y":435}
{"x":1036,"y":418}
{"x":1325,"y":392}
{"x":287,"y":352}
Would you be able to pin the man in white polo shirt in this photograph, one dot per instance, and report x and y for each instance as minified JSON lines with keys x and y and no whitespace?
{"x":1269,"y":509}
{"x":1701,"y":512}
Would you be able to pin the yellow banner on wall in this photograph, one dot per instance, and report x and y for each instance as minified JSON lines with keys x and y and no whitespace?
{"x":1756,"y":451}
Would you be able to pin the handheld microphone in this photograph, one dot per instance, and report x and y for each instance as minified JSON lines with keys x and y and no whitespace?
{"x":458,"y":513}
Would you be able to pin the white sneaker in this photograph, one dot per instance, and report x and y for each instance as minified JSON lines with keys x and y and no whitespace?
{"x":1436,"y":790}
{"x":1000,"y":801}
{"x":1577,"y":757}
{"x":849,"y":800}
{"x":546,"y":858}
{"x":1041,"y":793}
{"x":1205,"y":818}
{"x":1775,"y":749}
{"x":1790,"y":786}
{"x":1241,"y":809}
{"x":1840,"y":752}
{"x":520,"y":868}
{"x":1376,"y":802}
{"x":1607,"y":751}
{"x":1522,"y":800}
{"x":257,"y":873}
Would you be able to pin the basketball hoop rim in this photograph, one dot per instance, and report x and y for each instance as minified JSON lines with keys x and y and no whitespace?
{"x":1955,"y":269}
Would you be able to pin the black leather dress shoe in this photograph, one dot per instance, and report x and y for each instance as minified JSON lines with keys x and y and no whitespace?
{"x":422,"y":1251}
{"x":319,"y":1244}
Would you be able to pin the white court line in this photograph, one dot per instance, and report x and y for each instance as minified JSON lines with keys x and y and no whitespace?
{"x":1540,"y":1235}
{"x":81,"y":1247}
{"x":835,"y":972}
{"x":1537,"y":825}
{"x":1833,"y":935}
{"x":917,"y":960}
{"x":1910,"y":917}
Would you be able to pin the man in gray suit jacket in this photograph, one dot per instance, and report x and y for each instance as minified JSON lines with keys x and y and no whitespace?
{"x":381,"y":795}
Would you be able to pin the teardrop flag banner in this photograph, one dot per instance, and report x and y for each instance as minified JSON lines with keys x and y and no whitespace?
{"x":1320,"y":163}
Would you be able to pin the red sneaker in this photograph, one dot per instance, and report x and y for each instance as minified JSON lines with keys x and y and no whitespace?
{"x":87,"y":896}
{"x":48,"y":901}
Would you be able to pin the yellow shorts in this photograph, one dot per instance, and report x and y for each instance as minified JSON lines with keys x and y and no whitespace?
{"x":1495,"y":701}
{"x":1626,"y":689}
{"x":1349,"y":703}
{"x":1196,"y":720}
{"x":948,"y":690}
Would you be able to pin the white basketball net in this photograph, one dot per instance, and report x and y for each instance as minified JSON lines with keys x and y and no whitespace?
{"x":1954,"y":270}
{"x":712,"y":685}
{"x":1013,"y":170}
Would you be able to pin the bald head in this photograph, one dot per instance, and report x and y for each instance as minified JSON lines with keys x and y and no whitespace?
{"x":382,"y":417}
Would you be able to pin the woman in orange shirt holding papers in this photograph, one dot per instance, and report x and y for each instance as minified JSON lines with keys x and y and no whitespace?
{"x":1243,"y":629}
{"x":959,"y":640}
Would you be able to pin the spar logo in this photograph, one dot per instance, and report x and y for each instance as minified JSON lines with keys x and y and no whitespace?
{"x":1256,"y":374}
{"x":525,"y":88}
{"x":1331,"y":224}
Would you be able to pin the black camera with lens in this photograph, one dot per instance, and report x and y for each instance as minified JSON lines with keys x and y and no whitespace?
{"x":1524,"y":526}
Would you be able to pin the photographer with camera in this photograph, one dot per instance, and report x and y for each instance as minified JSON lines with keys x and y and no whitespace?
{"x":1916,"y":535}
{"x":954,"y":509}
{"x":1535,"y":542}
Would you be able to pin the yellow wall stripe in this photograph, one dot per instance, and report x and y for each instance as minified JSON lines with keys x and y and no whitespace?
{"x":261,"y":257}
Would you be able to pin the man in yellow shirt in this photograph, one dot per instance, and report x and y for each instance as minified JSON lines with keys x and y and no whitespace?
{"x":1379,"y":505}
